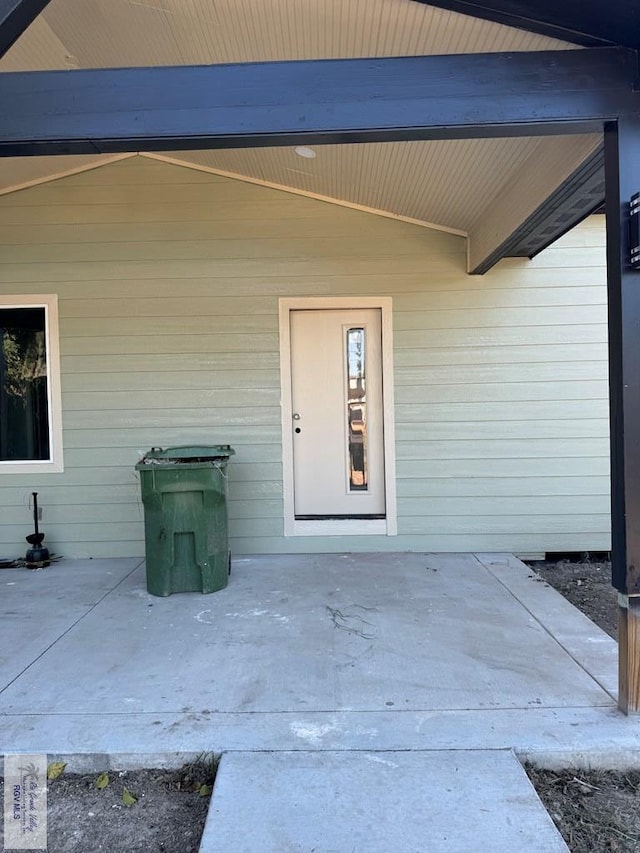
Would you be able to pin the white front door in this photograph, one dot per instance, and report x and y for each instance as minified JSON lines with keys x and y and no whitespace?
{"x":337,"y":423}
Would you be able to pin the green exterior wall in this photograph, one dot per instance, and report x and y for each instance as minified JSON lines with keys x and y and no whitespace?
{"x":168,"y":282}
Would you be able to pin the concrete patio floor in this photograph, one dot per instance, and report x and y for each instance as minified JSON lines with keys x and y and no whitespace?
{"x":332,"y":653}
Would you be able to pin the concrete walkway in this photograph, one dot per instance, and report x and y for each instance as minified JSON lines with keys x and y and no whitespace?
{"x":328,"y":654}
{"x":376,"y":802}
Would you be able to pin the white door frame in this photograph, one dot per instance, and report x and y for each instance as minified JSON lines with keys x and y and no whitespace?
{"x":338,"y":527}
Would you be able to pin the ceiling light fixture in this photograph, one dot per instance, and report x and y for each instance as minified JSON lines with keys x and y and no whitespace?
{"x":303,"y":151}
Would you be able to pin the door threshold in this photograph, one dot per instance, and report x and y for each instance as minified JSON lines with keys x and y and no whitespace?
{"x":362,"y":517}
{"x":340,"y":527}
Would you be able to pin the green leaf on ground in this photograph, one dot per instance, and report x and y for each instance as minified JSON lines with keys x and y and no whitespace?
{"x":55,"y":769}
{"x":102,"y":781}
{"x":128,"y":798}
{"x":205,"y":790}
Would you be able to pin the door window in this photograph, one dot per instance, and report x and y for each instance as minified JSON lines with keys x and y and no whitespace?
{"x":357,"y":409}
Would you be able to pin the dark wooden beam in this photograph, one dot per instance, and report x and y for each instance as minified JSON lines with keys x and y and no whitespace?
{"x":622,"y":172}
{"x":586,"y":22}
{"x":15,"y":17}
{"x":314,"y":102}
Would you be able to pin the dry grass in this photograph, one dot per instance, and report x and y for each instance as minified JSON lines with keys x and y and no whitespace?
{"x":595,"y":810}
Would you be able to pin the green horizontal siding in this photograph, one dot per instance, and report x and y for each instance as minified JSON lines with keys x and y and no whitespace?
{"x":506,"y":392}
{"x":483,"y":507}
{"x":227,"y":344}
{"x":508,"y":468}
{"x":503,"y":336}
{"x":168,"y":282}
{"x":467,"y":525}
{"x":496,"y":487}
{"x":137,"y":437}
{"x":456,"y":542}
{"x":532,"y":410}
{"x":529,"y":354}
{"x":518,"y":317}
{"x":222,"y":366}
{"x":481,"y":374}
{"x":489,"y":448}
{"x":531,"y":430}
{"x":206,"y":420}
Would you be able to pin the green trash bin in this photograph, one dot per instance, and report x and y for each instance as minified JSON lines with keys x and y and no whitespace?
{"x":184,"y":492}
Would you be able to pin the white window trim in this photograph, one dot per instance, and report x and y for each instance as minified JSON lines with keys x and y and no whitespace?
{"x":55,"y":463}
{"x":338,"y":527}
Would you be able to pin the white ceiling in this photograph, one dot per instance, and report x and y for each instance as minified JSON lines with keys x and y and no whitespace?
{"x":441,"y":184}
{"x":109,"y":33}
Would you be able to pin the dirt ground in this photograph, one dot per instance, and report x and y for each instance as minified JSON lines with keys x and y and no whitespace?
{"x":165,"y":813}
{"x":587,"y":585}
{"x":594,"y":810}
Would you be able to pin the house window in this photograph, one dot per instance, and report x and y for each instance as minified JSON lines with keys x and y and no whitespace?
{"x":30,"y":411}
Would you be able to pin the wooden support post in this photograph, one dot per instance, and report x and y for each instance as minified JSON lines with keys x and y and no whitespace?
{"x":622,"y":169}
{"x":628,"y":654}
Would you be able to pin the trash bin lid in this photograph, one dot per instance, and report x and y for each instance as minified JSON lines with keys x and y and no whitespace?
{"x":187,"y":454}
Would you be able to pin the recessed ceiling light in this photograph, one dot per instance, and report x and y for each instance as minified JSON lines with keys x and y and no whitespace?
{"x":303,"y":151}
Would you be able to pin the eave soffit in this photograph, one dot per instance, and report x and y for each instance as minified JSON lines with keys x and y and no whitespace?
{"x":446,"y":185}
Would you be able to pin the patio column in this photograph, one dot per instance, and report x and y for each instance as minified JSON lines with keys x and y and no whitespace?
{"x":622,"y":169}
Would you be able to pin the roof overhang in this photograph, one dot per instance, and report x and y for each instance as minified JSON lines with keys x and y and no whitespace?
{"x":591,"y":23}
{"x":556,"y":101}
